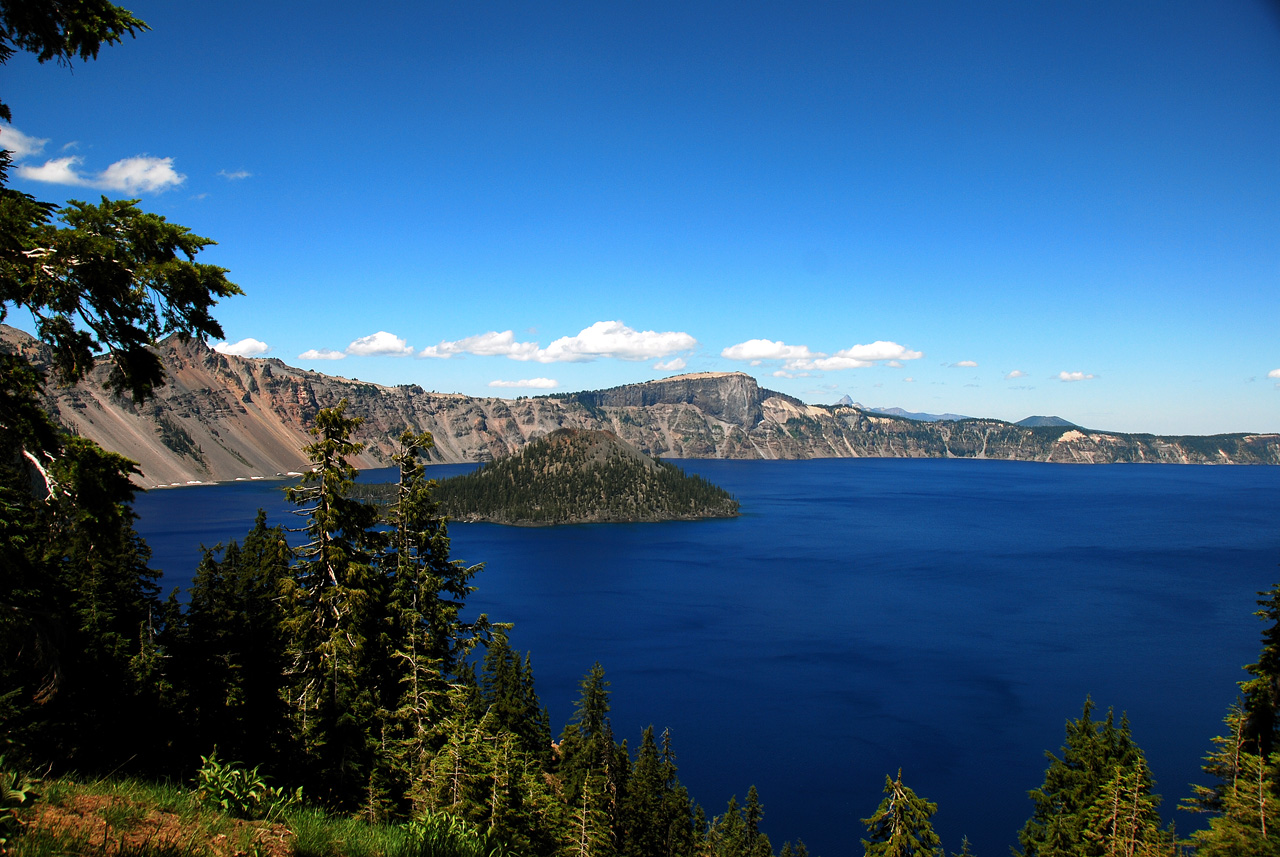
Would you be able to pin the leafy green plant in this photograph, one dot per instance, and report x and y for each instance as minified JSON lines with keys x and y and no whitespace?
{"x":442,"y":835}
{"x":241,"y":792}
{"x":16,"y":789}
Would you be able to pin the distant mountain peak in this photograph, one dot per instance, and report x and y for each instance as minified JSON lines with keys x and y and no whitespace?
{"x":1039,"y":422}
{"x":918,"y":416}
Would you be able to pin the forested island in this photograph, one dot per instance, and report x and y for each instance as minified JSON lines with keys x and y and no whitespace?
{"x":575,"y":476}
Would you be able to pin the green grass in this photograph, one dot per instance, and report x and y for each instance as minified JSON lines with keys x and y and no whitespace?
{"x":315,"y":832}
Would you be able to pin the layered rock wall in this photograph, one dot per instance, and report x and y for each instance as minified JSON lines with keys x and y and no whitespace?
{"x":222,"y":417}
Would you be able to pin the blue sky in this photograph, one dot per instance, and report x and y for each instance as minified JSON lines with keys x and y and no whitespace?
{"x":995,"y":209}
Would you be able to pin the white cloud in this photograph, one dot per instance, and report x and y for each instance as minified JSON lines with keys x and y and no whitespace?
{"x":484,"y":344}
{"x":615,"y":339}
{"x":783,"y":373}
{"x":880,"y":350}
{"x":130,"y":175}
{"x":673,"y":365}
{"x":967,"y":364}
{"x":1075,"y":376}
{"x":56,"y":171}
{"x":602,"y":339}
{"x":535,"y":383}
{"x":20,"y":145}
{"x":1274,"y":373}
{"x":380,"y":343}
{"x":894,"y":364}
{"x":244,"y":348}
{"x":857,"y":357}
{"x":144,"y":174}
{"x":236,"y":175}
{"x":766,"y":349}
{"x":909,"y":380}
{"x":321,"y":354}
{"x":1016,"y":373}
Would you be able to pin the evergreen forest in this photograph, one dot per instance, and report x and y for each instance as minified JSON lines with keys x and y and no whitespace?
{"x":339,"y":670}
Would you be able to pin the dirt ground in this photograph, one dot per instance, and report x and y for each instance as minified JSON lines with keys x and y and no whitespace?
{"x":88,"y":818}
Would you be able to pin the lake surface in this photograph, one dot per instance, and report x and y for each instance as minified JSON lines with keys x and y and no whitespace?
{"x":942,"y":616}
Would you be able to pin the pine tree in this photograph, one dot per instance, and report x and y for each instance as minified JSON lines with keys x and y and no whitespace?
{"x":228,"y":652}
{"x":337,"y":602}
{"x":900,"y":826}
{"x":1262,"y":691}
{"x":1245,"y":800}
{"x":643,"y":811}
{"x":1069,"y":804}
{"x":586,"y":743}
{"x":756,"y":844}
{"x":424,"y":641}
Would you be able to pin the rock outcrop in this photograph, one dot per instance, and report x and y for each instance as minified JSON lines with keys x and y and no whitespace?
{"x":222,"y":417}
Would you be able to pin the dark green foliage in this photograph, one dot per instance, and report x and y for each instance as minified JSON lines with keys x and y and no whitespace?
{"x":1096,"y":796}
{"x":578,"y":476}
{"x":229,"y":652}
{"x":900,"y":826}
{"x":79,"y":604}
{"x":1245,"y":800}
{"x":335,"y":609}
{"x":508,"y":694}
{"x":657,"y":817}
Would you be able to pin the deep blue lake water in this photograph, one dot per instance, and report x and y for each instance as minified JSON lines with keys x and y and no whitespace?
{"x":942,"y":616}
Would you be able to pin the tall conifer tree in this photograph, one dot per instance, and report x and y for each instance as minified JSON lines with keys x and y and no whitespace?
{"x":337,"y":606}
{"x":1245,"y":800}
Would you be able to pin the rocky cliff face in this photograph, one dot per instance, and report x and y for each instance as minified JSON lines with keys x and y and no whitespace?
{"x":222,"y":417}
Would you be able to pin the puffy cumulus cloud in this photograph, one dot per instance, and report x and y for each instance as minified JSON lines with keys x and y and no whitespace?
{"x":235,"y":175}
{"x":244,"y":348}
{"x":965,"y":364}
{"x":56,"y":171}
{"x":131,"y":175}
{"x":486,"y":344}
{"x":673,"y":365}
{"x":1075,"y":376}
{"x":140,"y":174}
{"x":1016,"y":373}
{"x":534,"y":383}
{"x":857,"y":357}
{"x":909,"y":380}
{"x":1274,"y":373}
{"x":321,"y":354}
{"x":602,"y":339}
{"x":756,"y":350}
{"x":879,"y":350}
{"x":800,"y":360}
{"x":378,"y":344}
{"x":615,"y":339}
{"x":18,"y":144}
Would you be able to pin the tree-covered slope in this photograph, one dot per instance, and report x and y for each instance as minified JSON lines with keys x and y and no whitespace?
{"x":581,"y":476}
